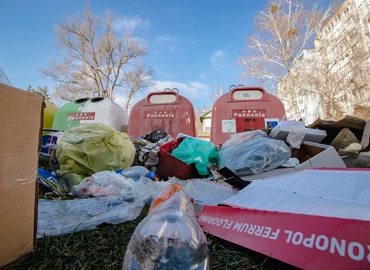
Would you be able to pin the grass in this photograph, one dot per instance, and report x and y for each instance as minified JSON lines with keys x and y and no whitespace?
{"x":104,"y":248}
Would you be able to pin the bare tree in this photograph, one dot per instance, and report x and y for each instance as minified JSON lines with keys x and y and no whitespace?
{"x":136,"y":80}
{"x":282,"y":31}
{"x":95,"y":58}
{"x":218,"y":92}
{"x":340,"y":68}
{"x":44,"y":91}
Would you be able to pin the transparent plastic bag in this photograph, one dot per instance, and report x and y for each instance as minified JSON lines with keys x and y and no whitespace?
{"x":135,"y":172}
{"x":169,"y":237}
{"x":254,"y":156}
{"x":238,"y":138}
{"x":64,"y":217}
{"x":146,"y":189}
{"x":89,"y":148}
{"x":204,"y":191}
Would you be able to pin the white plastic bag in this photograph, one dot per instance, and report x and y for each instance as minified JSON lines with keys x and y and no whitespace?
{"x":296,"y":134}
{"x":105,"y":183}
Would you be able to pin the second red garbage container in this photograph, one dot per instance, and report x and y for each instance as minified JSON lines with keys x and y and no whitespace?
{"x":244,"y":109}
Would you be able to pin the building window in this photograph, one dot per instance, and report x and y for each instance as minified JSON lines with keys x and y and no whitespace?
{"x":207,"y":124}
{"x":348,"y":8}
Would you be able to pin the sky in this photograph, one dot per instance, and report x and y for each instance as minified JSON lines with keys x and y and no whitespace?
{"x":193,"y":45}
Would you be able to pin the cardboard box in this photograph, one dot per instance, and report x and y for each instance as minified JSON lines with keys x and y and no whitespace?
{"x":20,"y":133}
{"x":358,"y":126}
{"x":310,"y":155}
{"x":281,"y":132}
{"x":313,"y":219}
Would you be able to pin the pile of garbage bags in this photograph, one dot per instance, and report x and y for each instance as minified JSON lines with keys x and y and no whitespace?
{"x":92,"y":166}
{"x":88,"y":159}
{"x":118,"y":174}
{"x":109,"y":177}
{"x":244,"y":153}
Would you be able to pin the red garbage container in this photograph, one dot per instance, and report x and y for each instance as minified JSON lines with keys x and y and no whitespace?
{"x":166,"y":110}
{"x":244,"y":109}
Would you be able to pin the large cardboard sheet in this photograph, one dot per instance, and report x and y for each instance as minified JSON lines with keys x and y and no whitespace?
{"x":330,"y":193}
{"x":313,"y":219}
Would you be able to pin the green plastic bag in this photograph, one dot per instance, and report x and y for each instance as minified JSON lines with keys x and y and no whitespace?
{"x":196,"y":151}
{"x":90,"y":148}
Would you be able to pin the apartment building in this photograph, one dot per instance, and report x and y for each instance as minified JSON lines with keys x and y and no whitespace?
{"x":334,"y":76}
{"x":298,"y":93}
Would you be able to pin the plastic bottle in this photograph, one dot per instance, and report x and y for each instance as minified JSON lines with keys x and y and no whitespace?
{"x":169,"y":237}
{"x":153,"y":176}
{"x":67,"y":181}
{"x":135,"y":172}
